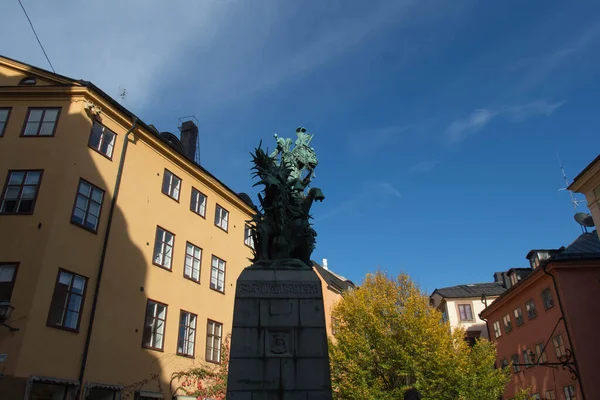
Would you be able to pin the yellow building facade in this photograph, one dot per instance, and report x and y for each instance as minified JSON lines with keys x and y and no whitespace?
{"x":118,"y":254}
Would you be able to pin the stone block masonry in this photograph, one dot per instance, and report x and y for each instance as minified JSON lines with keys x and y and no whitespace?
{"x":279,"y":341}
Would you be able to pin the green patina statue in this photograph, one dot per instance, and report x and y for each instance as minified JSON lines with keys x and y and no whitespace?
{"x":282,"y":232}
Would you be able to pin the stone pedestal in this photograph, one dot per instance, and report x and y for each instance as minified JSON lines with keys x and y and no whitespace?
{"x":279,"y":341}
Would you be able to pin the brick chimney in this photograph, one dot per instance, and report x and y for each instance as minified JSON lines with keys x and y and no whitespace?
{"x":189,"y":139}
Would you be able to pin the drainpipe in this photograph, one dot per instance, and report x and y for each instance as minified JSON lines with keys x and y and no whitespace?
{"x":487,"y":327}
{"x":111,"y":212}
{"x":544,"y":265}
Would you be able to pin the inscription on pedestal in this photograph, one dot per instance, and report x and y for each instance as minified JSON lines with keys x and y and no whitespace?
{"x":278,"y":289}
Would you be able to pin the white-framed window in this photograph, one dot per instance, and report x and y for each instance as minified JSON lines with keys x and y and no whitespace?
{"x":530,"y":307}
{"x":507,"y":323}
{"x":198,"y":202}
{"x":540,"y":353}
{"x":527,"y":358}
{"x":535,"y":396}
{"x":465,"y":312}
{"x":102,"y":140}
{"x":88,"y":203}
{"x":497,"y":331}
{"x":171,"y":185}
{"x":187,"y":334}
{"x":549,"y":395}
{"x":221,"y":218}
{"x":154,"y":327}
{"x":570,"y":392}
{"x":248,"y":238}
{"x":193,"y":260}
{"x":163,"y":248}
{"x":217,"y":274}
{"x":559,"y":346}
{"x":519,"y":316}
{"x":41,"y":121}
{"x":214,"y":333}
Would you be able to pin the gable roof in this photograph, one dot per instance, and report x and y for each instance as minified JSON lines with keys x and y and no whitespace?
{"x":334,"y":281}
{"x":471,"y":290}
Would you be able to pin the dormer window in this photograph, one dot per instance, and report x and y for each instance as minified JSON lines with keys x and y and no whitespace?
{"x":28,"y":80}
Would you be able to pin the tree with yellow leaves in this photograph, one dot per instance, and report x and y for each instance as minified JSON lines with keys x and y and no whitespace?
{"x":389,"y":339}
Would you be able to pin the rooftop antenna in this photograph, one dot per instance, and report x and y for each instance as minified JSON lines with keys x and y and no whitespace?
{"x":122,"y":94}
{"x":579,"y":217}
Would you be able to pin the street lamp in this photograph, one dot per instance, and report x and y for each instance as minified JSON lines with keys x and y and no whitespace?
{"x":6,"y":310}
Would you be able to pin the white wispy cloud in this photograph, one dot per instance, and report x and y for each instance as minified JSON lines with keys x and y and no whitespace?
{"x":351,"y":205}
{"x":537,"y":69}
{"x":461,"y":129}
{"x":423,"y":166}
{"x":389,"y":189}
{"x":209,"y":52}
{"x":369,"y":140}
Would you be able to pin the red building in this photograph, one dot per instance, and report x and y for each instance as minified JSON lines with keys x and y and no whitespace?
{"x":546,"y":325}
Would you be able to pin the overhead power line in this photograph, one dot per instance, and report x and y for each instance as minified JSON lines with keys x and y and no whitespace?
{"x":36,"y":36}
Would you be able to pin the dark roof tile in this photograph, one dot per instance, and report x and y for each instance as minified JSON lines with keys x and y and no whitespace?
{"x":471,"y":290}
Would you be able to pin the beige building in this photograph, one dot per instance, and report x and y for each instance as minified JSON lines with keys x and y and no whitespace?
{"x":119,"y":253}
{"x":588,"y":183}
{"x":333,"y":285}
{"x":461,"y":305}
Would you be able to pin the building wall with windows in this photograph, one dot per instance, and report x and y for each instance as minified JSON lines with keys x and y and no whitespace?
{"x":516,"y":338}
{"x":150,"y":318}
{"x":461,"y":305}
{"x":464,"y":312}
{"x":578,"y":282}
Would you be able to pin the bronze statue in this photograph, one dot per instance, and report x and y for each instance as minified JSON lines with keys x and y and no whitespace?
{"x":282,"y":232}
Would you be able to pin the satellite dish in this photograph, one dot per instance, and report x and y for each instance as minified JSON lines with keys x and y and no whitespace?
{"x":584,"y":219}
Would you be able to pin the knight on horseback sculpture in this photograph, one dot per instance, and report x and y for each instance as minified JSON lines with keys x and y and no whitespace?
{"x":282,"y":231}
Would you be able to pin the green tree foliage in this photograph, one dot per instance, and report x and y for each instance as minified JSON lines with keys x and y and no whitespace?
{"x":388,"y":339}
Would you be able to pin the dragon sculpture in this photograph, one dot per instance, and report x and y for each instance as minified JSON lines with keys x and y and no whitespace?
{"x":282,"y":231}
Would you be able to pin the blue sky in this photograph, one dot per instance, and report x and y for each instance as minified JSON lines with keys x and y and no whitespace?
{"x":436,"y":123}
